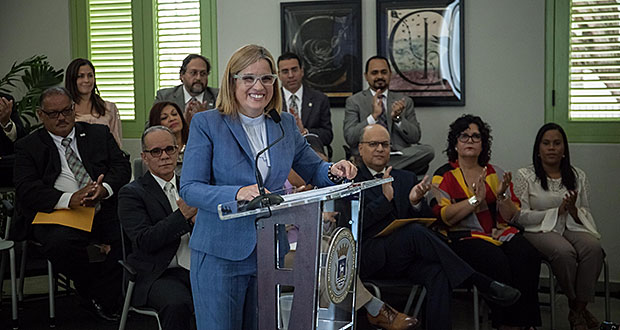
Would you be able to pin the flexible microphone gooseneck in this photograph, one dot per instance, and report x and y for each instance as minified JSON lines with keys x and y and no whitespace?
{"x":265,"y":199}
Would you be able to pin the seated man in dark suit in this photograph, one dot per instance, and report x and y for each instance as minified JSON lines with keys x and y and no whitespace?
{"x":66,"y":165}
{"x":411,"y":251}
{"x":309,"y":107}
{"x":193,"y":95}
{"x":158,"y":224}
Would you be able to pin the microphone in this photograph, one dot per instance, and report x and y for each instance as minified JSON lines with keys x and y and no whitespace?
{"x":265,"y":199}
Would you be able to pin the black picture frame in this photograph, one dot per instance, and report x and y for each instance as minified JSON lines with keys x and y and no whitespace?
{"x":327,"y":36}
{"x":424,"y":43}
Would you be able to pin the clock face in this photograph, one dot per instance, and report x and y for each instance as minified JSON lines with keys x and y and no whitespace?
{"x":422,"y":47}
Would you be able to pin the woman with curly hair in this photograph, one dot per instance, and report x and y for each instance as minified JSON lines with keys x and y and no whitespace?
{"x":475,"y":203}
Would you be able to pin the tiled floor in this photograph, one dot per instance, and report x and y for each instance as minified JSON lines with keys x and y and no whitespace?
{"x":33,"y":313}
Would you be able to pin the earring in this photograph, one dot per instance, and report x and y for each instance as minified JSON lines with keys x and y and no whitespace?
{"x":563,"y":156}
{"x":456,"y":149}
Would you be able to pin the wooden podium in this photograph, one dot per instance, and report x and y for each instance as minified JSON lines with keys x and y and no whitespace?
{"x":321,"y":281}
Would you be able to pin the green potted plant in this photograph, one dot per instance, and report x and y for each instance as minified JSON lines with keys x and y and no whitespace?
{"x":34,"y":75}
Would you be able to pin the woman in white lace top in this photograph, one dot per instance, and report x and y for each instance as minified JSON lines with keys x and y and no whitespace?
{"x":555,"y":212}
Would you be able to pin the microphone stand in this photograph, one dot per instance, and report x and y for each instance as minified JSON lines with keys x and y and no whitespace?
{"x":264,"y":199}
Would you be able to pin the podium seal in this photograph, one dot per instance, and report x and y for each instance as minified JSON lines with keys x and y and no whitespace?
{"x":340,"y":265}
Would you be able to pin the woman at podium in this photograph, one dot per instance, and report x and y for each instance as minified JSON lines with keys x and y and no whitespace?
{"x":219,"y":167}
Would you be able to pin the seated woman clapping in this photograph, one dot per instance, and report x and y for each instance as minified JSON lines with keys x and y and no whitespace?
{"x":475,"y":204}
{"x":557,"y":220}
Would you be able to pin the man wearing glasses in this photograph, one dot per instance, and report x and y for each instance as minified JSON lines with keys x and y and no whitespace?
{"x":193,"y":95}
{"x":411,"y":251}
{"x":158,"y":224}
{"x":392,"y":110}
{"x":68,"y":165}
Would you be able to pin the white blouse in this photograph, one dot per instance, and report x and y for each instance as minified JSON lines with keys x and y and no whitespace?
{"x":256,"y":131}
{"x":540,"y":208}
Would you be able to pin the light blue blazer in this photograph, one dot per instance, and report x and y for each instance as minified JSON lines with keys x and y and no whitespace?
{"x":218,"y":161}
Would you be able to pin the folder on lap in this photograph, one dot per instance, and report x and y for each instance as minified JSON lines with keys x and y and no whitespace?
{"x":401,"y":222}
{"x":79,"y":218}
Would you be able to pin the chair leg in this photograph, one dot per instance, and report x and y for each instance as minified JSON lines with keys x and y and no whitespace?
{"x":126,"y":305}
{"x":51,"y":289}
{"x":22,"y":271}
{"x":552,"y":296}
{"x":476,"y":310}
{"x":13,"y":289}
{"x":2,"y":262}
{"x":412,"y":294}
{"x":606,"y":284}
{"x":418,"y":305}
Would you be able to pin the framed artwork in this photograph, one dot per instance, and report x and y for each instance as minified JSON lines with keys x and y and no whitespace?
{"x":423,"y":41}
{"x":326,"y":35}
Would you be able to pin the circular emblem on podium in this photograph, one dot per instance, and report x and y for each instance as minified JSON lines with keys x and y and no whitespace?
{"x":340,"y":265}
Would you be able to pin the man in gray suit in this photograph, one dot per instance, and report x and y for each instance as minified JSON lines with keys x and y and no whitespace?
{"x":309,"y":107}
{"x":392,"y":110}
{"x":192,"y":95}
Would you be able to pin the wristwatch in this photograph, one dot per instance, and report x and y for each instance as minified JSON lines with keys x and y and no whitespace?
{"x":502,"y":196}
{"x":8,"y":127}
{"x":397,"y":119}
{"x":473,"y":201}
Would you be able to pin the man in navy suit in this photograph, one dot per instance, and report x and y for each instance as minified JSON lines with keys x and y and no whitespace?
{"x":411,"y":251}
{"x":158,"y":224}
{"x":66,"y":165}
{"x":309,"y":107}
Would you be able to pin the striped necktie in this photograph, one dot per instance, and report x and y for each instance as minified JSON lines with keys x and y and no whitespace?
{"x":76,"y":166}
{"x":383,"y":117}
{"x":183,"y":251}
{"x":292,"y":106}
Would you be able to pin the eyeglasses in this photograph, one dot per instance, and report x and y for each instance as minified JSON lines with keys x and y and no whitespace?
{"x":466,"y":137}
{"x":375,"y":144}
{"x":250,"y":79}
{"x":195,"y":73}
{"x":157,"y":152}
{"x":66,"y":112}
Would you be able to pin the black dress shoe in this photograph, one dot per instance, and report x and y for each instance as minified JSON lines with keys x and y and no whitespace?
{"x":502,"y":294}
{"x":96,"y":310}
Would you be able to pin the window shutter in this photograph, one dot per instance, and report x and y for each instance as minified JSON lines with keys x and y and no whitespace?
{"x":178,"y":34}
{"x":111,"y":51}
{"x":595,"y":60}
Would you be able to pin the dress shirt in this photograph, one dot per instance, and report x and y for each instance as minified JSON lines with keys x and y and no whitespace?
{"x":370,"y":119}
{"x":299,"y":94}
{"x":187,"y":97}
{"x":12,"y":133}
{"x":66,"y":180}
{"x":184,"y":244}
{"x":257,"y":137}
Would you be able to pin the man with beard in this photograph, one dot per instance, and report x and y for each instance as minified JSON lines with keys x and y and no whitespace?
{"x":192,"y":95}
{"x":392,"y":110}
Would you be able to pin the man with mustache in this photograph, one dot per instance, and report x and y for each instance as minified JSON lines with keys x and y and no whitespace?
{"x":192,"y":95}
{"x":392,"y":110}
{"x":69,"y":165}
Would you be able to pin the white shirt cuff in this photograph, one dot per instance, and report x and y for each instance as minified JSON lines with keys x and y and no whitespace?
{"x":417,"y":206}
{"x":371,"y":120}
{"x":63,"y":202}
{"x":12,"y":134}
{"x":109,"y":189}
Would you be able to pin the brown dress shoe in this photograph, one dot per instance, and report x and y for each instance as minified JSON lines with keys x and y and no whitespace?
{"x":390,"y":319}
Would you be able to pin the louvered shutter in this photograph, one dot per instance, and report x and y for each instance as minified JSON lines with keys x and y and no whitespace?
{"x":595,"y":60}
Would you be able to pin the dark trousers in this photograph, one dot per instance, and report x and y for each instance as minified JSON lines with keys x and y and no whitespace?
{"x":516,"y":263}
{"x":171,"y":296}
{"x":65,"y":247}
{"x":415,"y":252}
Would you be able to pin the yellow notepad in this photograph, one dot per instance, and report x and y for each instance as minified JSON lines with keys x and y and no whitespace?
{"x":401,"y":222}
{"x":79,"y":218}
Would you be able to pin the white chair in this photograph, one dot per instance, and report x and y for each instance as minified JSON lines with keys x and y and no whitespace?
{"x":9,"y":246}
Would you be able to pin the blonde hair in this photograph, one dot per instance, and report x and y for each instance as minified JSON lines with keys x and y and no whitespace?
{"x":245,"y":56}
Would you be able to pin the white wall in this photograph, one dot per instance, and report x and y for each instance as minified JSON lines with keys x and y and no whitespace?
{"x":504,"y":56}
